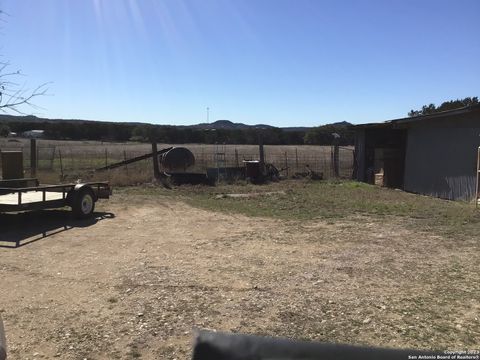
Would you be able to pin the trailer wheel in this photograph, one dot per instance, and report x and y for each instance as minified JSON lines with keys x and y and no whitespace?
{"x":83,"y":203}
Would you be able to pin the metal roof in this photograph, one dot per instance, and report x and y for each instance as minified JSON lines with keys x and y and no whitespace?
{"x":406,"y":120}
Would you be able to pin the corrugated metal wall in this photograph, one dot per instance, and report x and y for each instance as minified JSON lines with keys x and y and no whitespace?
{"x":441,"y":158}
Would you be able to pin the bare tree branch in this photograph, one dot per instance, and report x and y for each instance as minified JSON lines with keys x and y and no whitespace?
{"x":13,"y":96}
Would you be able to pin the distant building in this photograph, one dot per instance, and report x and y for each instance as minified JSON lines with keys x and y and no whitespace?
{"x":430,"y":154}
{"x":34,"y":134}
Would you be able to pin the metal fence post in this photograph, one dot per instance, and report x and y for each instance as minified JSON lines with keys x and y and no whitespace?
{"x":286,"y":163}
{"x":296,"y":159}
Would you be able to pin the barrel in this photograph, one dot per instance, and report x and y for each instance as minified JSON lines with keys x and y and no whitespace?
{"x":177,"y":159}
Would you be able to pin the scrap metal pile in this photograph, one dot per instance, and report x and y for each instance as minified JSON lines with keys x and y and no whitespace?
{"x":177,"y":164}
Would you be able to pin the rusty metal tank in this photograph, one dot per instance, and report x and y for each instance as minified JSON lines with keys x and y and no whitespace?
{"x":177,"y":159}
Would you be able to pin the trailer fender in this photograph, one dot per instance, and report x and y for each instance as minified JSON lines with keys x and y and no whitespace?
{"x":79,"y":187}
{"x":77,"y":190}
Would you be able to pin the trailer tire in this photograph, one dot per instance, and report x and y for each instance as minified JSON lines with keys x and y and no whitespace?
{"x":83,"y":203}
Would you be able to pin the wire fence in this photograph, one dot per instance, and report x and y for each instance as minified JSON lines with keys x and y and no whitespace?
{"x":77,"y":159}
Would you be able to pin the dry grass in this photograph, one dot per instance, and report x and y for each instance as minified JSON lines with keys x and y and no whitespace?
{"x":333,"y":200}
{"x":80,"y":157}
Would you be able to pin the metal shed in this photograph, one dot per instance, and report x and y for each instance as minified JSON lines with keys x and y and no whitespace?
{"x":430,"y":154}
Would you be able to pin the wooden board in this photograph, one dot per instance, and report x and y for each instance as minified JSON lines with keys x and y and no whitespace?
{"x":29,"y":197}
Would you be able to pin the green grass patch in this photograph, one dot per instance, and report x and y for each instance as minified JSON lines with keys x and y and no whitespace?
{"x":307,"y":200}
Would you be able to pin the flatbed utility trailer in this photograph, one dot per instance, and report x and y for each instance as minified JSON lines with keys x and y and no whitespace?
{"x":29,"y":195}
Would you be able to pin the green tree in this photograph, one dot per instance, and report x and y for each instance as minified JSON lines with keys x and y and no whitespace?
{"x":447,"y":105}
{"x":4,"y":131}
{"x":139,"y":133}
{"x":323,"y":135}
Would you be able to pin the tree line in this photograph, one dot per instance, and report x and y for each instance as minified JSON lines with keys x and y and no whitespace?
{"x":121,"y":132}
{"x":447,"y":105}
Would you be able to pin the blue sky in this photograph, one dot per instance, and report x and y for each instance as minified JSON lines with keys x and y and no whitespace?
{"x":279,"y":62}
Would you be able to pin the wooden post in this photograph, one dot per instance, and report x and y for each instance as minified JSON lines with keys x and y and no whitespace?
{"x":237,"y":164}
{"x":156,"y":170}
{"x":33,"y":157}
{"x":286,"y":163}
{"x":61,"y":162}
{"x":38,"y":158}
{"x":262,"y":154}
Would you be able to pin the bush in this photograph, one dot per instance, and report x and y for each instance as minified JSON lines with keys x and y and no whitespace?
{"x":4,"y":131}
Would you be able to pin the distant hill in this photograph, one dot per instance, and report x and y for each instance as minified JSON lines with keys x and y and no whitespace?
{"x":228,"y":125}
{"x":299,"y":128}
{"x":219,"y":124}
{"x":341,"y":123}
{"x":28,"y":118}
{"x":228,"y":131}
{"x":35,"y":119}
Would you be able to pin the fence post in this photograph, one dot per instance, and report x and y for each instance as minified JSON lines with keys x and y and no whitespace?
{"x":261,"y":154}
{"x":53,"y":158}
{"x":296,"y":159}
{"x":33,"y":158}
{"x":286,"y":163}
{"x":156,"y":171}
{"x":236,"y":158}
{"x":61,"y":162}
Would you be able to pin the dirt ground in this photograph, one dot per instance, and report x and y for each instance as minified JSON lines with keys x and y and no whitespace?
{"x":136,"y":281}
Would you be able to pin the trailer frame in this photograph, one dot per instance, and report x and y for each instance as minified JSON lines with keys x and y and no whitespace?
{"x":12,"y":198}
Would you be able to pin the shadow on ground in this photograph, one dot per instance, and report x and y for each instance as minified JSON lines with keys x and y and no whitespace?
{"x":20,"y":229}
